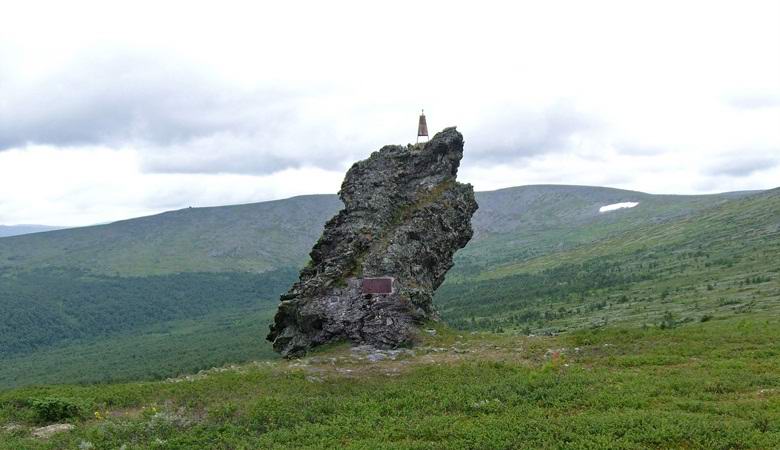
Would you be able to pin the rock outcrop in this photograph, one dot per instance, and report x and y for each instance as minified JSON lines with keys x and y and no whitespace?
{"x":373,"y":272}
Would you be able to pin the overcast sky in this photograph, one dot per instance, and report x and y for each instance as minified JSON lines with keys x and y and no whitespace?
{"x":110,"y":110}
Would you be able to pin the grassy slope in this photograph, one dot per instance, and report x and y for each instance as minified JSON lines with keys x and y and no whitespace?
{"x":254,"y":238}
{"x":262,"y":236}
{"x":94,"y":340}
{"x":101,"y":328}
{"x":711,"y":385}
{"x":17,"y":230}
{"x":165,"y":349}
{"x":720,"y":262}
{"x":685,"y":384}
{"x":519,"y":224}
{"x":50,"y":307}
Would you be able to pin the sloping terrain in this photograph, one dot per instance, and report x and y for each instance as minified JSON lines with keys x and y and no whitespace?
{"x":510,"y":224}
{"x":18,"y":230}
{"x":517,"y":224}
{"x":152,"y":287}
{"x":249,"y":238}
{"x":703,"y":386}
{"x":722,"y":261}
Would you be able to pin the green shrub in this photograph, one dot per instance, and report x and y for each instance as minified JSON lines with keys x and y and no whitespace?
{"x":55,"y":409}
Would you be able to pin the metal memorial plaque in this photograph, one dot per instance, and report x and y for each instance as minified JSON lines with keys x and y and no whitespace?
{"x":382,"y":285}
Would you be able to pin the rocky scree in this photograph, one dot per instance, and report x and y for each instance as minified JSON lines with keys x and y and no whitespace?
{"x":405,"y":215}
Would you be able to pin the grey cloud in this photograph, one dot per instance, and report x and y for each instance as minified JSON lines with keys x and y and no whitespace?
{"x":183,"y":121}
{"x":511,"y":135}
{"x":738,"y":166}
{"x":755,"y":101}
{"x":178,"y":118}
{"x":259,"y":152}
{"x":161,"y":107}
{"x":638,"y":149}
{"x":188,"y":161}
{"x":117,"y":99}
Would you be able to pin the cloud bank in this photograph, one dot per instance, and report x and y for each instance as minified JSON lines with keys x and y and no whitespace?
{"x":110,"y":111}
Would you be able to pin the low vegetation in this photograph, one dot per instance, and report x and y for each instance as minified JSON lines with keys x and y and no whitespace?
{"x":657,"y":330}
{"x":721,"y":263}
{"x":98,"y":328}
{"x":706,"y":385}
{"x":164,"y":350}
{"x":163,"y":295}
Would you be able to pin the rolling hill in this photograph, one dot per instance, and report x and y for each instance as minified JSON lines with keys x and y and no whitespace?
{"x":242,"y":238}
{"x":134,"y":299}
{"x":511,"y":224}
{"x":717,"y":263}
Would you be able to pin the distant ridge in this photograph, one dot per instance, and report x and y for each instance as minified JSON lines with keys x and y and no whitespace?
{"x":18,"y":230}
{"x":84,"y":304}
{"x":258,"y":237}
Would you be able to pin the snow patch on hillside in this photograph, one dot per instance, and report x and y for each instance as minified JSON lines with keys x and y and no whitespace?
{"x":615,"y":206}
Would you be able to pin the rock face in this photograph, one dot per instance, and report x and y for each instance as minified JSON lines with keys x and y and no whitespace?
{"x":374,"y":270}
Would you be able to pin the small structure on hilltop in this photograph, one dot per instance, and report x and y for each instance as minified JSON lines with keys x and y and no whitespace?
{"x":373,"y":272}
{"x":422,"y":128}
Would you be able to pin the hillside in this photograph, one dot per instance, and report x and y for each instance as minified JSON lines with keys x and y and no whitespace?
{"x":152,"y":287}
{"x":18,"y":230}
{"x":703,"y":386}
{"x":251,"y":238}
{"x":510,"y":224}
{"x":518,"y":224}
{"x":720,"y":262}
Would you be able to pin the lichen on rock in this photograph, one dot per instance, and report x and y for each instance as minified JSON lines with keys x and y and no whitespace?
{"x":373,"y":272}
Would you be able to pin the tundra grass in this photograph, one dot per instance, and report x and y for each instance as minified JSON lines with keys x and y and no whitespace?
{"x":703,"y":385}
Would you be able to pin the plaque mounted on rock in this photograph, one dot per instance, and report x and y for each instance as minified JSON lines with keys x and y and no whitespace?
{"x":380,"y":285}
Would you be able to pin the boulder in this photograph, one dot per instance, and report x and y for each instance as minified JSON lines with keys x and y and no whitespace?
{"x":50,"y":430}
{"x":373,"y":272}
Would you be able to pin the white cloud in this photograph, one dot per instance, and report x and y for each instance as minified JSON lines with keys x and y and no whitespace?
{"x":84,"y":186}
{"x":141,"y":105}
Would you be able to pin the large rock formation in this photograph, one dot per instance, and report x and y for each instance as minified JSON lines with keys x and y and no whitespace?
{"x":374,"y":270}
